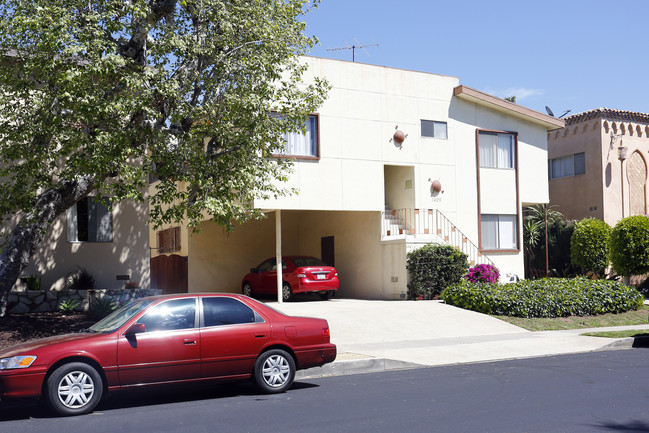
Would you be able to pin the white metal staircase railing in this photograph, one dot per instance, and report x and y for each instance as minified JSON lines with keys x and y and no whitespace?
{"x":430,"y":222}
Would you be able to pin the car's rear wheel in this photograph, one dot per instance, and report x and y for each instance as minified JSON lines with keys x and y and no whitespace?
{"x":247,"y":289}
{"x":287,"y":293}
{"x":74,"y":389}
{"x":274,"y":371}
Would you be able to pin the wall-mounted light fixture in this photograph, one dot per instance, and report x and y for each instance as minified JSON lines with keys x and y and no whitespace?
{"x":399,"y":136}
{"x":621,"y":155}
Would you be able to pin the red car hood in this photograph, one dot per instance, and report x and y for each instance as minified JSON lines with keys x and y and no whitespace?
{"x":34,"y":345}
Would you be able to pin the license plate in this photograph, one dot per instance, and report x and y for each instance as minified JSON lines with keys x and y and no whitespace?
{"x":320,"y":276}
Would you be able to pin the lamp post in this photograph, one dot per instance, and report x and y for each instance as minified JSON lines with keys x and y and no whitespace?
{"x":621,"y":155}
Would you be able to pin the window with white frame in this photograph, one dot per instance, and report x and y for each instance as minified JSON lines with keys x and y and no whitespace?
{"x":570,"y":165}
{"x":498,"y":232}
{"x":304,"y":144}
{"x":89,"y":220}
{"x":431,"y":128}
{"x":497,"y":150}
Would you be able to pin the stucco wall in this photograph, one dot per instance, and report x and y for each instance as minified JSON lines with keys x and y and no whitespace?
{"x":598,"y":192}
{"x":582,"y":196}
{"x":127,"y":254}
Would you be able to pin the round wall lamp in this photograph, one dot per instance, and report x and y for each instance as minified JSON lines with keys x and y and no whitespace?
{"x":399,"y":136}
{"x":437,"y":185}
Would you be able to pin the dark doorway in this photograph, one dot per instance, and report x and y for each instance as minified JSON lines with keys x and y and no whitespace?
{"x":327,"y":250}
{"x":169,"y":273}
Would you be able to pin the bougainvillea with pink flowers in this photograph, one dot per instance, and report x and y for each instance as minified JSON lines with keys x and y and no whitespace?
{"x":483,"y":274}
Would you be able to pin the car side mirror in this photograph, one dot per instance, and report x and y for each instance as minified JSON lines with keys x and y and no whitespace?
{"x":136,"y":328}
{"x":253,"y":270}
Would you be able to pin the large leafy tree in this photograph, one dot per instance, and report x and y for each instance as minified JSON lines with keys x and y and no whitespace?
{"x":97,"y":96}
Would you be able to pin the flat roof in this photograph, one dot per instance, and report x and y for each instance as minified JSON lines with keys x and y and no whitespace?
{"x":511,"y":108}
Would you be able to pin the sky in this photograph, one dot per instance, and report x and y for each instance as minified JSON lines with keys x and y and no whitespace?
{"x":573,"y":55}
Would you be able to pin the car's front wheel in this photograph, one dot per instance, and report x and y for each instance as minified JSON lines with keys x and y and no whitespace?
{"x":74,"y":389}
{"x":274,"y":371}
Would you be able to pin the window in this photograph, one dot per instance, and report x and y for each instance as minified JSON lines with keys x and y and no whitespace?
{"x":171,"y":315}
{"x":498,"y":232}
{"x":304,"y":144}
{"x":169,"y":240}
{"x":570,"y":165}
{"x":227,"y":311}
{"x":89,"y":220}
{"x":497,"y":150}
{"x":430,"y":128}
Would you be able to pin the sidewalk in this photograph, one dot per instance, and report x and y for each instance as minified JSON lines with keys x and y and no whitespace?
{"x":384,"y":335}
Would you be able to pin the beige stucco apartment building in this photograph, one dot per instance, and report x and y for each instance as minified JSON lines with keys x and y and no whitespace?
{"x":598,"y":165}
{"x":392,"y":160}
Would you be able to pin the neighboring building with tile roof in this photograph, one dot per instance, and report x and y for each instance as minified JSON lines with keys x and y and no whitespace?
{"x":598,"y":165}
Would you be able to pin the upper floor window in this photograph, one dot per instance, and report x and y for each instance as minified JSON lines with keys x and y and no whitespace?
{"x":89,"y":220}
{"x":570,"y":165}
{"x":431,"y":128}
{"x":304,"y":144}
{"x":169,"y":240}
{"x":497,"y":150}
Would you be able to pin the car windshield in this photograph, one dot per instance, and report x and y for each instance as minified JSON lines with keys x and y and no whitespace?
{"x":307,"y":261}
{"x":120,"y":316}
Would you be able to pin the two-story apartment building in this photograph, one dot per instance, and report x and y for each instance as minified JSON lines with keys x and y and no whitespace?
{"x":598,"y":165}
{"x":392,"y":160}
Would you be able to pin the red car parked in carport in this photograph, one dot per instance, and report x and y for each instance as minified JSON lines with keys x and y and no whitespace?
{"x":301,"y":274}
{"x":165,"y":340}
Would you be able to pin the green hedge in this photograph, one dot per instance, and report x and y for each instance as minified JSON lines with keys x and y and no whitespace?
{"x":433,"y":267}
{"x":546,"y":297}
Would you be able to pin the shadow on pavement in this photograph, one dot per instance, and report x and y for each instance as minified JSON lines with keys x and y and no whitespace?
{"x":23,"y":410}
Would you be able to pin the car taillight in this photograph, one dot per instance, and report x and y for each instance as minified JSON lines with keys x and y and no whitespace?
{"x":301,"y":275}
{"x":325,"y":332}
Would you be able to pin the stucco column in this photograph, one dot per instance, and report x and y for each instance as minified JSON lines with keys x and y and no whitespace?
{"x":278,"y":253}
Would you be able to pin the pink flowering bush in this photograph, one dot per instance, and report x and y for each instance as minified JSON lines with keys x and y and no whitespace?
{"x":483,"y":274}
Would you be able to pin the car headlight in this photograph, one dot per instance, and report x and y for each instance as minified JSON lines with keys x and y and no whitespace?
{"x":17,"y":362}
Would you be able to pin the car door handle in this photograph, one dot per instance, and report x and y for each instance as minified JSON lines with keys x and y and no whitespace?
{"x":189,"y":341}
{"x":260,"y":334}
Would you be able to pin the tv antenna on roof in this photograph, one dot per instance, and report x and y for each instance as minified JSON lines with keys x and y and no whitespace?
{"x":552,"y":114}
{"x":353,"y":48}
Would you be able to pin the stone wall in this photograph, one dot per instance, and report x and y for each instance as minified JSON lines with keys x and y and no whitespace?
{"x":37,"y":301}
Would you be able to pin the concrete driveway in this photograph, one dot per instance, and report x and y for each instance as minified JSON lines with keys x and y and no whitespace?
{"x":398,"y":334}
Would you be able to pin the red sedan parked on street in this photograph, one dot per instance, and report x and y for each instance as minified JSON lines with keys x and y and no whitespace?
{"x":162,"y":340}
{"x":301,"y":274}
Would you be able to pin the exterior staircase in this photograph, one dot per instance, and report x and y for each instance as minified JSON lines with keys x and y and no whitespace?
{"x":430,"y":223}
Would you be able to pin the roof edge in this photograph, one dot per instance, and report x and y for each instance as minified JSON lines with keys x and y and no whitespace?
{"x":610,"y":114}
{"x":473,"y":95}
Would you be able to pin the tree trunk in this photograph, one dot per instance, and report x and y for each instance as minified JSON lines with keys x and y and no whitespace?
{"x":31,"y":230}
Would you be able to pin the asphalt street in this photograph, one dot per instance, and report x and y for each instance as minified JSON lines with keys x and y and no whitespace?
{"x":598,"y":391}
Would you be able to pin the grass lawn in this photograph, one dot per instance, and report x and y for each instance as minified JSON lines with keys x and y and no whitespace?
{"x":619,"y":334}
{"x":639,"y":317}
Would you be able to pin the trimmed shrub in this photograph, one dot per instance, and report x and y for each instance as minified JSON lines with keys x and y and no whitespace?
{"x":483,"y":274}
{"x":629,"y":246}
{"x":101,"y":308}
{"x":546,"y":297}
{"x":432,"y":268}
{"x":589,"y":245}
{"x":80,"y":279}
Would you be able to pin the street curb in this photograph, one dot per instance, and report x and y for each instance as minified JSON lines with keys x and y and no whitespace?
{"x":355,"y":366}
{"x":628,"y":343}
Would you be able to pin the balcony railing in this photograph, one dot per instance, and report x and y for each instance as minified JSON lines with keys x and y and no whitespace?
{"x":430,"y":222}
